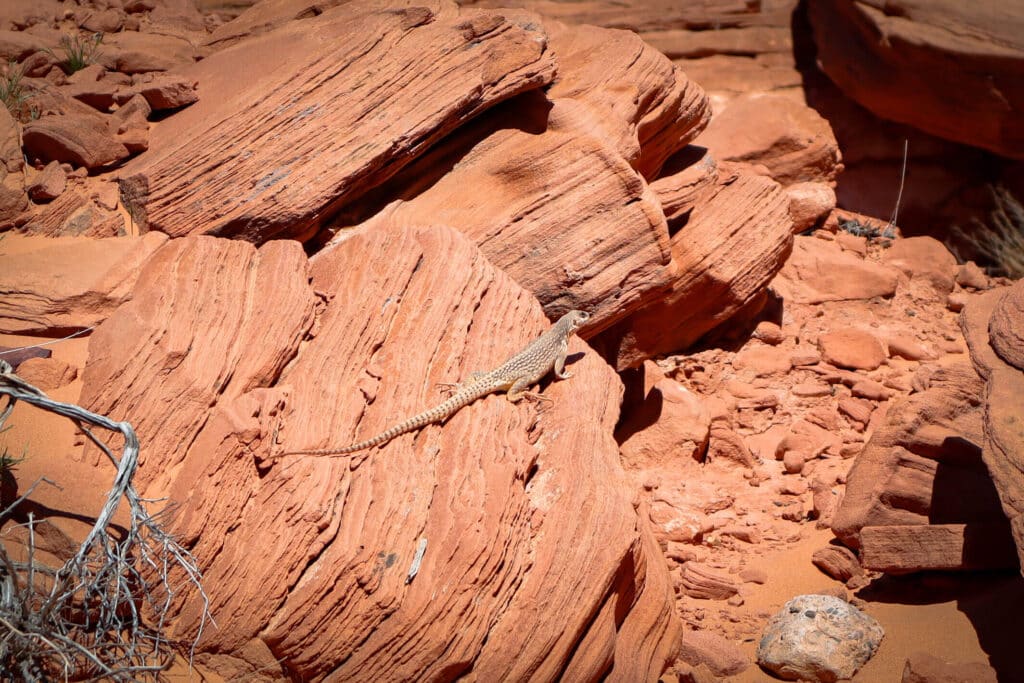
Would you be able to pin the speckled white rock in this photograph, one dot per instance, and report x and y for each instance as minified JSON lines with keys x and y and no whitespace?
{"x":818,"y":638}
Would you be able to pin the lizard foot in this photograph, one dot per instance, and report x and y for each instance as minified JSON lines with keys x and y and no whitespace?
{"x":447,"y":388}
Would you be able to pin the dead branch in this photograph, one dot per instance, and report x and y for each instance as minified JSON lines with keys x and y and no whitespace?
{"x":102,"y":613}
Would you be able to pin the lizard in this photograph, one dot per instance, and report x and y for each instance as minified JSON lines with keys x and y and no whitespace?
{"x":544,"y":354}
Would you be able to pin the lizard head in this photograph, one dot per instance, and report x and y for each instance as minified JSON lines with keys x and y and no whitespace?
{"x":574,"y":320}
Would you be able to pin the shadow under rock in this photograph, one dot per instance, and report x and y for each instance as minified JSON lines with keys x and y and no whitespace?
{"x":992,"y":601}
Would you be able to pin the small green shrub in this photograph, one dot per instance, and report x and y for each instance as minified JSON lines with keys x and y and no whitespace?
{"x":11,"y":91}
{"x":79,"y":52}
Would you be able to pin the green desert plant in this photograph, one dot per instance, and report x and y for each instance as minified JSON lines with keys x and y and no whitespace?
{"x":11,"y":91}
{"x":1000,"y":241}
{"x":79,"y":52}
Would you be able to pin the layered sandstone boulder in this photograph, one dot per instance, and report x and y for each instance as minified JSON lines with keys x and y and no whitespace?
{"x":317,"y":136}
{"x":878,"y":53}
{"x":920,"y":495}
{"x":993,"y":326}
{"x":422,"y":557}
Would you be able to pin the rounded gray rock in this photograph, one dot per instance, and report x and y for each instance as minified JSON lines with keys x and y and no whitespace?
{"x":818,"y":638}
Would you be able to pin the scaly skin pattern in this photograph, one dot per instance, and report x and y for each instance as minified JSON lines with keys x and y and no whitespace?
{"x":520,"y":372}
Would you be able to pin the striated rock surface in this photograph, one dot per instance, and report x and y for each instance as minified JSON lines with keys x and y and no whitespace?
{"x":790,"y":139}
{"x":52,"y":286}
{"x":732,"y":246}
{"x":993,"y":327}
{"x":896,"y":549}
{"x":317,"y":137}
{"x":923,"y":467}
{"x":877,"y":52}
{"x":77,"y":139}
{"x":191,"y":336}
{"x":646,"y":106}
{"x":562,"y":172}
{"x":502,"y":501}
{"x":553,"y":205}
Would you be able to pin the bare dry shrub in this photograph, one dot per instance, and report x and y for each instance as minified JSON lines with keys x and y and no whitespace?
{"x":101,"y":614}
{"x":1000,"y":241}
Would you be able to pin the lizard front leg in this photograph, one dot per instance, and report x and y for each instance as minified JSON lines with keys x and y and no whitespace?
{"x":559,"y":368}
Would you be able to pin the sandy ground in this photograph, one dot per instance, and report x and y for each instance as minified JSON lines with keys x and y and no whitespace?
{"x":974,"y":618}
{"x":956,"y":618}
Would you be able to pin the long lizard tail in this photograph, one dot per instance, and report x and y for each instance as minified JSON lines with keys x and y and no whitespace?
{"x":463,"y":397}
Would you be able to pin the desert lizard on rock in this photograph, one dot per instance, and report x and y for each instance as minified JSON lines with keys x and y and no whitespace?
{"x":544,"y":354}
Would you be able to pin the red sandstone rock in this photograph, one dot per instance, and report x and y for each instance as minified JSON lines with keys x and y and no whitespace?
{"x":80,"y":140}
{"x":20,"y":14}
{"x":852,"y":348}
{"x":648,"y":108}
{"x":730,"y":249}
{"x":556,"y":172}
{"x":770,"y":333}
{"x":1006,"y":327}
{"x":105,"y":21}
{"x":49,"y":184}
{"x":670,"y":424}
{"x":11,"y":158}
{"x":723,"y":657}
{"x":133,"y":52}
{"x":916,"y":547}
{"x":922,"y":667}
{"x":706,"y":583}
{"x":165,"y":91}
{"x":132,"y":125}
{"x":925,"y":260}
{"x":838,"y":562}
{"x":821,"y":271}
{"x":856,"y":409}
{"x":497,"y":494}
{"x":761,"y":360}
{"x":690,"y":177}
{"x":970,"y":275}
{"x":46,"y":373}
{"x":726,"y":446}
{"x":923,"y":464}
{"x":52,"y":285}
{"x":877,"y":56}
{"x":597,"y":238}
{"x":992,"y":328}
{"x":382,"y":113}
{"x":188,"y":312}
{"x":904,"y":346}
{"x":809,"y":203}
{"x":790,"y":138}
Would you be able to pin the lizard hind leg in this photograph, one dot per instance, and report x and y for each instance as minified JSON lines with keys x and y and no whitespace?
{"x":518,"y":391}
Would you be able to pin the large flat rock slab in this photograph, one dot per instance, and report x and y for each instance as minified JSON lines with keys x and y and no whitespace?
{"x":928,"y":465}
{"x":56,"y":286}
{"x":294,"y":123}
{"x":962,"y":61}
